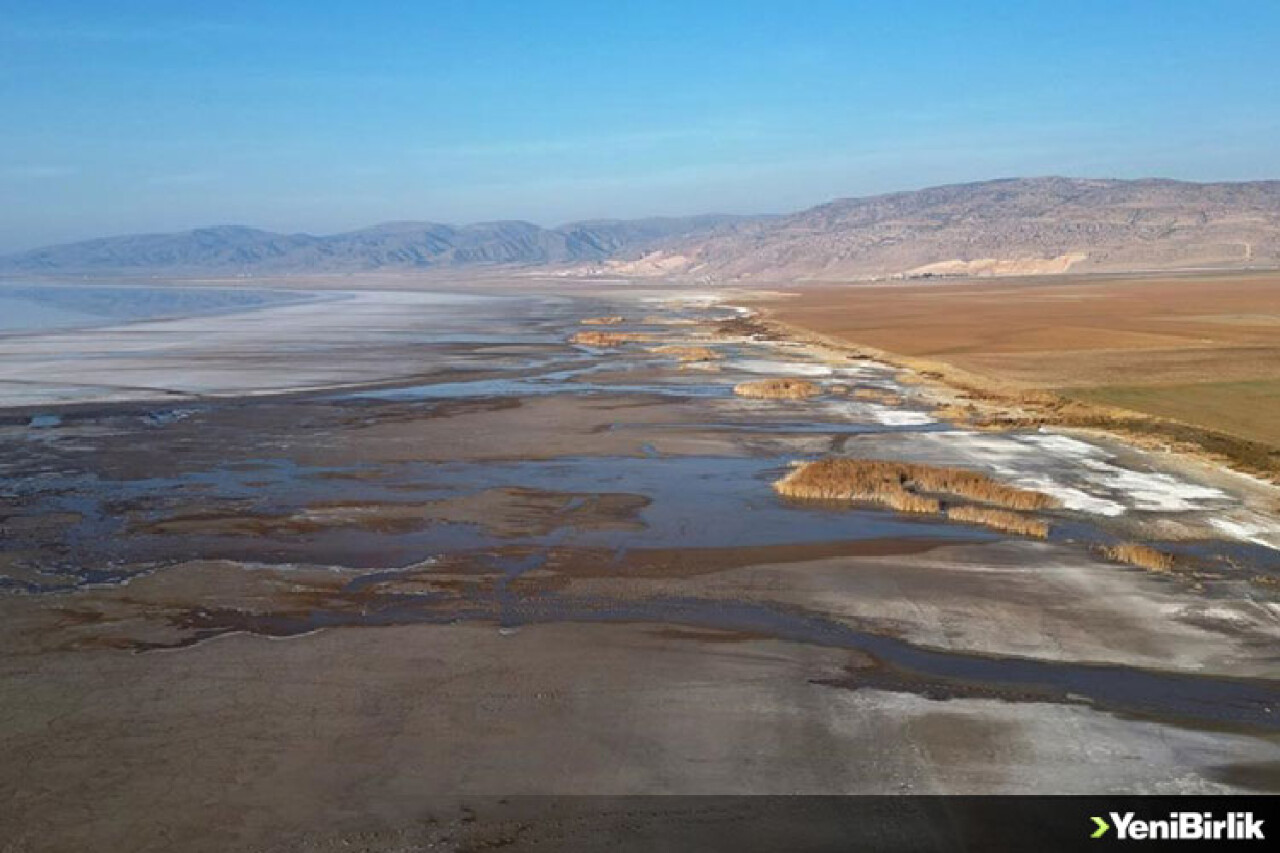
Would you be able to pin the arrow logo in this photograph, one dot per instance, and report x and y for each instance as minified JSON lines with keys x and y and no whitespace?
{"x":1103,"y":826}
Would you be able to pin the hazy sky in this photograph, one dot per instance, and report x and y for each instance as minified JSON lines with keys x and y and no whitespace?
{"x":308,"y":115}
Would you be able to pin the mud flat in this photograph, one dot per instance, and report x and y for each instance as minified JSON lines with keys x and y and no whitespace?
{"x":300,"y":611}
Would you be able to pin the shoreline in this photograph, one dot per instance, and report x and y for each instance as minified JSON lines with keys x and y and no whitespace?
{"x":198,"y":358}
{"x":281,"y":297}
{"x":970,"y":400}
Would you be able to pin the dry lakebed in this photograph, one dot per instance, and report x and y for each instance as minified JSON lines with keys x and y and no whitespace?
{"x":291,"y":561}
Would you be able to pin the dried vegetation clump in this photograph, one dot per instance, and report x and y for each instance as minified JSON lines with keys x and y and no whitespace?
{"x":778,"y":389}
{"x":878,"y":395}
{"x":907,"y":486}
{"x":961,"y":414}
{"x":905,"y":501}
{"x":999,"y":519}
{"x":744,"y":327}
{"x":603,"y":321}
{"x":1143,"y":556}
{"x":686,"y":353}
{"x":606,"y":339}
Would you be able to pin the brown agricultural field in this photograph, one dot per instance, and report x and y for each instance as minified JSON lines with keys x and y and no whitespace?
{"x":1201,"y":350}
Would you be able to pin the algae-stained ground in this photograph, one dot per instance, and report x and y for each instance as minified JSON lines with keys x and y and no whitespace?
{"x":1202,"y":349}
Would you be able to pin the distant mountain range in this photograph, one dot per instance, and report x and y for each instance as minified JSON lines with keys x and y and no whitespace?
{"x":1010,"y":226}
{"x":390,"y":246}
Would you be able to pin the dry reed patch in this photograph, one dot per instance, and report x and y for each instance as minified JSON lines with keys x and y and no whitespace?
{"x":743,"y":327}
{"x":878,"y":395}
{"x":999,"y":519}
{"x":902,"y":485}
{"x":961,"y":414}
{"x":687,"y":353}
{"x":778,"y":389}
{"x":606,"y":339}
{"x":603,"y":321}
{"x":854,"y":480}
{"x":904,"y":501}
{"x":1142,"y":556}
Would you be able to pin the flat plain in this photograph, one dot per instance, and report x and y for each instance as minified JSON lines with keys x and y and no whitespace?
{"x":1200,"y":349}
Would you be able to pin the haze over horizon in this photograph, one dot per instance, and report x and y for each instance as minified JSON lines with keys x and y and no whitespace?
{"x":309,"y":117}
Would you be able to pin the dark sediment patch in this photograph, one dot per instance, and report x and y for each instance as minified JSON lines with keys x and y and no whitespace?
{"x":1263,"y":776}
{"x":1197,"y":701}
{"x":691,"y":562}
{"x":745,"y":327}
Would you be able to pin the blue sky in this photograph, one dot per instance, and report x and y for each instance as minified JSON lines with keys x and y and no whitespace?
{"x":137,"y":116}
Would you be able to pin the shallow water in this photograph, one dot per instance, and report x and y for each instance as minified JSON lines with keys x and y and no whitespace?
{"x":683,"y":494}
{"x":40,"y":307}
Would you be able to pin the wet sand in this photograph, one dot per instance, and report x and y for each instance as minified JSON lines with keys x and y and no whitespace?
{"x":291,"y":603}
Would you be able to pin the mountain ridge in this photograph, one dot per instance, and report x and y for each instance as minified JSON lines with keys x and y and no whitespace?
{"x":389,"y":245}
{"x":999,"y":226}
{"x":1009,"y":225}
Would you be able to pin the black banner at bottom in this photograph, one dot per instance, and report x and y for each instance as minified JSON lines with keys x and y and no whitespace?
{"x":828,"y":823}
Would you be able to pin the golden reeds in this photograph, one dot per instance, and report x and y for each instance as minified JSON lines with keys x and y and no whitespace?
{"x":606,"y":339}
{"x":878,"y":395}
{"x":904,"y":501}
{"x":958,"y":413}
{"x":902,"y":484}
{"x":1142,"y":556}
{"x":854,"y":480}
{"x":603,"y":321}
{"x":686,"y":353}
{"x":778,"y":389}
{"x":999,"y":519}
